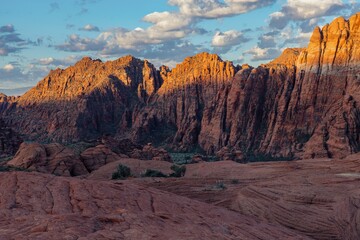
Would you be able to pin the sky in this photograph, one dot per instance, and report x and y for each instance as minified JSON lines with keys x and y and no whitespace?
{"x":37,"y":36}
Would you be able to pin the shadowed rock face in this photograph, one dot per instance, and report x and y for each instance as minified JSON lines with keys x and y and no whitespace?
{"x":302,"y":104}
{"x":9,"y":140}
{"x":39,"y":206}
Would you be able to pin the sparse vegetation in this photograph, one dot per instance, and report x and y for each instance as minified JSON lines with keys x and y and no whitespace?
{"x":179,"y":171}
{"x":235,"y":181}
{"x":220,"y":185}
{"x":153,"y":173}
{"x":122,"y":172}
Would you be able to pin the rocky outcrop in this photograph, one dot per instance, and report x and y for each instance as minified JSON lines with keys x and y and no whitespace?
{"x":49,"y":158}
{"x":40,"y":206}
{"x":96,"y":157}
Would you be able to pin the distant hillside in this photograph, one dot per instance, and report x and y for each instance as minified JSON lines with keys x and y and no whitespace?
{"x":15,"y":91}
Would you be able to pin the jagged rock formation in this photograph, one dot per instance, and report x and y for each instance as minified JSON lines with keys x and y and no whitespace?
{"x":40,"y":206}
{"x":84,"y":101}
{"x":179,"y":105}
{"x":302,"y":104}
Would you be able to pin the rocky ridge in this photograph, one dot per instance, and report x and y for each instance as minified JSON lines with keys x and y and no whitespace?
{"x":303,"y":104}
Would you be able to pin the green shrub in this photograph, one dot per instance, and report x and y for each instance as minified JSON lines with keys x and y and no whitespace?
{"x":153,"y":173}
{"x":220,"y":185}
{"x":122,"y":172}
{"x":179,"y":171}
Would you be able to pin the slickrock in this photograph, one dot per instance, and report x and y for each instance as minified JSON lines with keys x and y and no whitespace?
{"x":40,"y":206}
{"x":318,"y":197}
{"x":48,"y":158}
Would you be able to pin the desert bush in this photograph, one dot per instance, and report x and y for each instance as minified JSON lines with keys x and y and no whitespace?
{"x":179,"y":171}
{"x":122,"y":172}
{"x":153,"y":173}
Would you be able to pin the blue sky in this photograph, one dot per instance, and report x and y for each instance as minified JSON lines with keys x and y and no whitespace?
{"x":36,"y":36}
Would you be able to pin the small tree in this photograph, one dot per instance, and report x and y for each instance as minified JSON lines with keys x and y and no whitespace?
{"x":122,"y":172}
{"x":179,"y":171}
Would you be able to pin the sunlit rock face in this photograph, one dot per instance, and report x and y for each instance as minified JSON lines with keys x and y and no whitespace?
{"x":302,"y":104}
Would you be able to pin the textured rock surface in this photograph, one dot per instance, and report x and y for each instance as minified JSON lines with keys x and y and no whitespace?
{"x":84,"y":101}
{"x":318,"y":197}
{"x":96,"y":157}
{"x":178,"y":107}
{"x":39,"y":206}
{"x":48,"y":158}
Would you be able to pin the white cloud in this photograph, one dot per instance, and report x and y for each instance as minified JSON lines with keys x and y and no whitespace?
{"x":90,"y":28}
{"x":167,"y":27}
{"x":217,"y":8}
{"x":262,"y":54}
{"x":8,"y":67}
{"x":305,"y":10}
{"x":228,"y":38}
{"x":61,"y":63}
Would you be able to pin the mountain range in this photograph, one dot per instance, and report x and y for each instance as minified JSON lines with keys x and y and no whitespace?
{"x":304,"y":104}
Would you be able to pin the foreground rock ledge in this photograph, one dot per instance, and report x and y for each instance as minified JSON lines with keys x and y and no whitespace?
{"x":41,"y":206}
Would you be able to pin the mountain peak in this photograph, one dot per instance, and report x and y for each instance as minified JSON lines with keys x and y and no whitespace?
{"x":288,"y":56}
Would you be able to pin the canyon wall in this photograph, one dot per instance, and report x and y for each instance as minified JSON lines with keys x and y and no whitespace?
{"x":303,"y":104}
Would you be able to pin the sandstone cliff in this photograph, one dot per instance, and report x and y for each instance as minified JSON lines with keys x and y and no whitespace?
{"x":83,"y":101}
{"x":302,"y":104}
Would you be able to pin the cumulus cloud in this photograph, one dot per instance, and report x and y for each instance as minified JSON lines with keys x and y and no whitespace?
{"x":11,"y":76}
{"x":75,"y":43}
{"x":268,"y":40}
{"x":8,"y":67}
{"x":224,"y":41}
{"x":90,"y":28}
{"x":57,"y":62}
{"x":262,"y":54}
{"x":304,"y":10}
{"x":216,"y":8}
{"x":228,"y":38}
{"x":168,"y":28}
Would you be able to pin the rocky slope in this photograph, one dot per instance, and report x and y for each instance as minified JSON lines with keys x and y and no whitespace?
{"x":318,"y":197}
{"x":40,"y":206}
{"x":302,"y":104}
